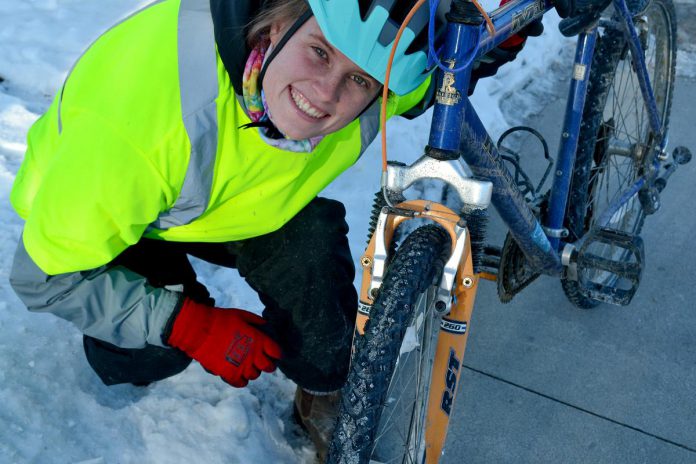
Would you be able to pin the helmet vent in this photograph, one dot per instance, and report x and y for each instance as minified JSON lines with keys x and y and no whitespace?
{"x":365,"y":6}
{"x":398,"y":10}
{"x":365,"y":30}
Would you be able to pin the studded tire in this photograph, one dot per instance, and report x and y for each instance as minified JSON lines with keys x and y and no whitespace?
{"x":614,"y":113}
{"x":418,"y":264}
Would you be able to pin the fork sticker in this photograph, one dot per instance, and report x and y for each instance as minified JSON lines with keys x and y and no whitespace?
{"x":452,"y":326}
{"x":450,"y":382}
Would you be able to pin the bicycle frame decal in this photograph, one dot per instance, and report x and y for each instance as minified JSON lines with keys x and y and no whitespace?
{"x":364,"y":308}
{"x":451,"y":377}
{"x":529,"y":13}
{"x":452,"y":326}
{"x":446,"y":126}
{"x":509,"y":19}
{"x":447,"y":94}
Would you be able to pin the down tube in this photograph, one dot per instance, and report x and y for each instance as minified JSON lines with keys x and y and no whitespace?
{"x":480,"y":153}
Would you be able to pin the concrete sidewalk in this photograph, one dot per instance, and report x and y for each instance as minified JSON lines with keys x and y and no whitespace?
{"x":547,"y":383}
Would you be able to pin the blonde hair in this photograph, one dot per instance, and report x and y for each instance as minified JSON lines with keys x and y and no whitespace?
{"x":274,"y":11}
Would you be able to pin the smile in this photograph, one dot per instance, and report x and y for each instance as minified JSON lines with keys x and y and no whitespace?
{"x":305,"y":106}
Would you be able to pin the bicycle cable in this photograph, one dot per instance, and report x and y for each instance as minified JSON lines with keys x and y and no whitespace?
{"x":432,"y":55}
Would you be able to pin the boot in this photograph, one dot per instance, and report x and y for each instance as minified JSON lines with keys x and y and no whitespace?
{"x":317,"y":415}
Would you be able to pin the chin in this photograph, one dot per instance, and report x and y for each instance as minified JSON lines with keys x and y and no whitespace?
{"x":293,"y":134}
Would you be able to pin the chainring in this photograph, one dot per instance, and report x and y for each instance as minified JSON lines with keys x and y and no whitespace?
{"x":514,"y":273}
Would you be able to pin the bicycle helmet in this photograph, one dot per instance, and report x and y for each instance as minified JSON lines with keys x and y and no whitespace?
{"x":364,"y":31}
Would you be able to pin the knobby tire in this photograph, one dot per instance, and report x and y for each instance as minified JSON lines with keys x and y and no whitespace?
{"x":417,"y":264}
{"x":607,"y":116}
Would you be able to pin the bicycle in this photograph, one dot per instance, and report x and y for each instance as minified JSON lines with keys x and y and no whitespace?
{"x":417,"y":299}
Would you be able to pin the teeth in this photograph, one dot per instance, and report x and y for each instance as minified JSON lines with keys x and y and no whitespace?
{"x":305,"y":106}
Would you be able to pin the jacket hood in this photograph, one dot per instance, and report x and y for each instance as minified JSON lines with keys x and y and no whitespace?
{"x":230,"y":20}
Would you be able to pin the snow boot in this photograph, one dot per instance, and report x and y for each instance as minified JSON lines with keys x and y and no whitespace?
{"x":317,"y":413}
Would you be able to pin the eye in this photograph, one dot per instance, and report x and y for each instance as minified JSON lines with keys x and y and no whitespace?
{"x":361,"y":81}
{"x":321,"y":53}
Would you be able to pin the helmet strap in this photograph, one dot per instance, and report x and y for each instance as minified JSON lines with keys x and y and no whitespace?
{"x":281,"y":43}
{"x":372,"y":102}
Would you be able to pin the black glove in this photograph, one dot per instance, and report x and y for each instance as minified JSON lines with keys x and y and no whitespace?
{"x":506,"y":52}
{"x":570,"y":8}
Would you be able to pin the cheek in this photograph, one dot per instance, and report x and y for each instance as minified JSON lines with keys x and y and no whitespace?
{"x":287,"y":67}
{"x":274,"y":82}
{"x":355,"y":103}
{"x":269,"y":82}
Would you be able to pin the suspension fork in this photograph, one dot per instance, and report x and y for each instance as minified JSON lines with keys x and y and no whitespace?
{"x":455,"y":298}
{"x":374,"y":259}
{"x":449,"y":357}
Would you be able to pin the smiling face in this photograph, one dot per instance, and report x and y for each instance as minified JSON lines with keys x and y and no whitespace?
{"x":312,"y":88}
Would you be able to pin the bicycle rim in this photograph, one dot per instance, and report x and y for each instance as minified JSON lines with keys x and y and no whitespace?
{"x":400,"y":436}
{"x":615,"y":145}
{"x":625,"y":147}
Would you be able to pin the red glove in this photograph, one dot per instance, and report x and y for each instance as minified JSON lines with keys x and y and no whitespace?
{"x":227,"y":342}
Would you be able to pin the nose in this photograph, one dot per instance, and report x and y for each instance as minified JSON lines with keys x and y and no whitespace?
{"x":328,"y":86}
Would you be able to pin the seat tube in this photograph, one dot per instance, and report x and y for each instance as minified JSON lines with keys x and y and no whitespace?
{"x":569,"y":137}
{"x":462,"y":36}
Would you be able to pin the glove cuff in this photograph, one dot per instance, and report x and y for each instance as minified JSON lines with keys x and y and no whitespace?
{"x":186,"y":328}
{"x":167,"y":331}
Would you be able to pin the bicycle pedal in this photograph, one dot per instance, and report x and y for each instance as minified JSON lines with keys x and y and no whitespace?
{"x":610,"y":265}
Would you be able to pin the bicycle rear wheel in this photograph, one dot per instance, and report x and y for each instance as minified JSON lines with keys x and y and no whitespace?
{"x":382,"y":416}
{"x":616,"y":146}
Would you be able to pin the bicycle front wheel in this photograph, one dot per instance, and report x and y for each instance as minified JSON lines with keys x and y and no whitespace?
{"x":382,"y":415}
{"x":616,"y":145}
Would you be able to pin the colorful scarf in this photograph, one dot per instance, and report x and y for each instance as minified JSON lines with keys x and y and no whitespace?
{"x":257,"y":109}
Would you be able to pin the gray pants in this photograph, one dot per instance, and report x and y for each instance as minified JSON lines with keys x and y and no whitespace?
{"x":303,"y":274}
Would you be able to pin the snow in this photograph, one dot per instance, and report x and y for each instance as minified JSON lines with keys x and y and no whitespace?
{"x":54,"y":409}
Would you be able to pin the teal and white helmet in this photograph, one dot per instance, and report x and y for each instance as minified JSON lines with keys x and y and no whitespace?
{"x":364,"y":31}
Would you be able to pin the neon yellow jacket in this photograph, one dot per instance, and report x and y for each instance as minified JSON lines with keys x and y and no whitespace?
{"x":144,"y":140}
{"x":111,"y":154}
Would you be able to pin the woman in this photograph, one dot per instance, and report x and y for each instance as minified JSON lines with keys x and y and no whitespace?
{"x":161,"y":144}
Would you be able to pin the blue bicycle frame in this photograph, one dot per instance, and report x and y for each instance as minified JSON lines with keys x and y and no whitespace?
{"x":457,"y":128}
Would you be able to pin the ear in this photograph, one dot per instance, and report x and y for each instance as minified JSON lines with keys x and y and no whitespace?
{"x":277,"y":31}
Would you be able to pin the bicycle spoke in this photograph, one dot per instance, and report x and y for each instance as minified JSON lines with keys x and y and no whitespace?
{"x":626,"y":127}
{"x":401,"y":429}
